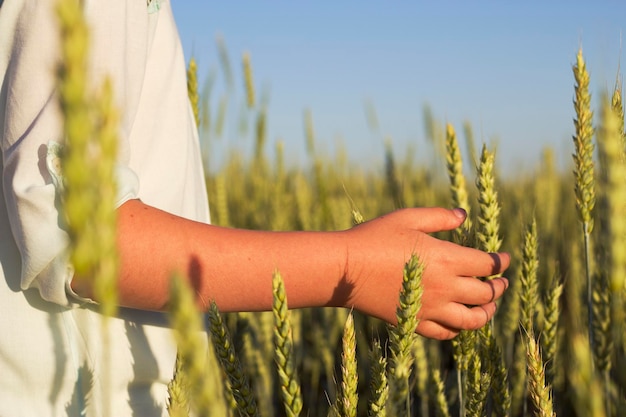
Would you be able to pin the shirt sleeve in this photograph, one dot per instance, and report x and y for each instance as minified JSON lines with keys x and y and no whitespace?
{"x":31,"y":123}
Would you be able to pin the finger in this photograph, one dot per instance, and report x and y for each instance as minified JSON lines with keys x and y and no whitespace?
{"x":433,"y":330}
{"x":458,"y":316}
{"x":472,"y":291}
{"x":474,"y":262}
{"x":479,"y":316}
{"x":436,"y":219}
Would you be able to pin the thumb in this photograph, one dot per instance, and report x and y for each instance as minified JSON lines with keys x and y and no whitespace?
{"x":437,"y":219}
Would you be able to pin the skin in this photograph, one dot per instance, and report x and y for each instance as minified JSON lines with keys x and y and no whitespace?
{"x":357,"y":268}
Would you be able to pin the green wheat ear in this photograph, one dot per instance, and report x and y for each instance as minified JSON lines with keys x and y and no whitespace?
{"x":441,"y":403}
{"x":78,"y":132}
{"x":454,"y":163}
{"x":348,"y":400}
{"x":379,"y":388}
{"x":246,"y":403}
{"x":189,"y":382}
{"x":249,"y":83}
{"x":478,"y":384}
{"x":587,"y":395}
{"x":584,"y":170}
{"x":608,"y":290}
{"x":529,"y":293}
{"x":583,"y":142}
{"x":610,"y":155}
{"x":463,"y":345}
{"x":488,"y":231}
{"x":550,"y":336}
{"x":540,"y":391}
{"x":192,"y":89}
{"x":402,"y":336}
{"x":492,"y":354}
{"x":618,"y":108}
{"x":104,"y":216}
{"x":178,"y":391}
{"x":88,"y":201}
{"x":284,"y":350}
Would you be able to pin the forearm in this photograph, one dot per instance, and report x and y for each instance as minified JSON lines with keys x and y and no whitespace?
{"x":233,"y":267}
{"x":360,"y":267}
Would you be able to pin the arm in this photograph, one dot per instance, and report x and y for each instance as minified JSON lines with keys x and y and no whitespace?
{"x":359,"y":267}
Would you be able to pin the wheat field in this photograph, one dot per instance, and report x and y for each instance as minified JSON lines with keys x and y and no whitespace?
{"x":556,"y":346}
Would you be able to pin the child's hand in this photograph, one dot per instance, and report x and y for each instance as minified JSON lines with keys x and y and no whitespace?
{"x":453,"y":299}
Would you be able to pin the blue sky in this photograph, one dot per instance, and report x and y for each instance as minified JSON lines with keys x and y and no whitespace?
{"x":504,"y":66}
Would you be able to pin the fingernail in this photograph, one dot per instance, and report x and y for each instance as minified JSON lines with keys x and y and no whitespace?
{"x":460,"y":213}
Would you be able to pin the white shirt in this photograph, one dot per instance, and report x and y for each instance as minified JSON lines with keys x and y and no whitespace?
{"x":50,"y":348}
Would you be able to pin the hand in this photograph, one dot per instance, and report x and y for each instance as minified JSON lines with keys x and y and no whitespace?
{"x":453,"y":298}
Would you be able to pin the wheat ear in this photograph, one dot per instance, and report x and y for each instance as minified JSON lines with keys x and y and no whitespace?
{"x":402,"y":335}
{"x":584,"y":170}
{"x":587,"y":392}
{"x":608,"y":293}
{"x":454,"y":163}
{"x":478,"y":384}
{"x":379,"y":388}
{"x":249,"y":83}
{"x":441,"y":404}
{"x":187,"y":324}
{"x":529,"y":294}
{"x":550,"y":336}
{"x":349,"y":377}
{"x":88,"y":201}
{"x":488,"y":232}
{"x":540,"y":392}
{"x":192,"y":89}
{"x":284,"y":351}
{"x":246,"y":403}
